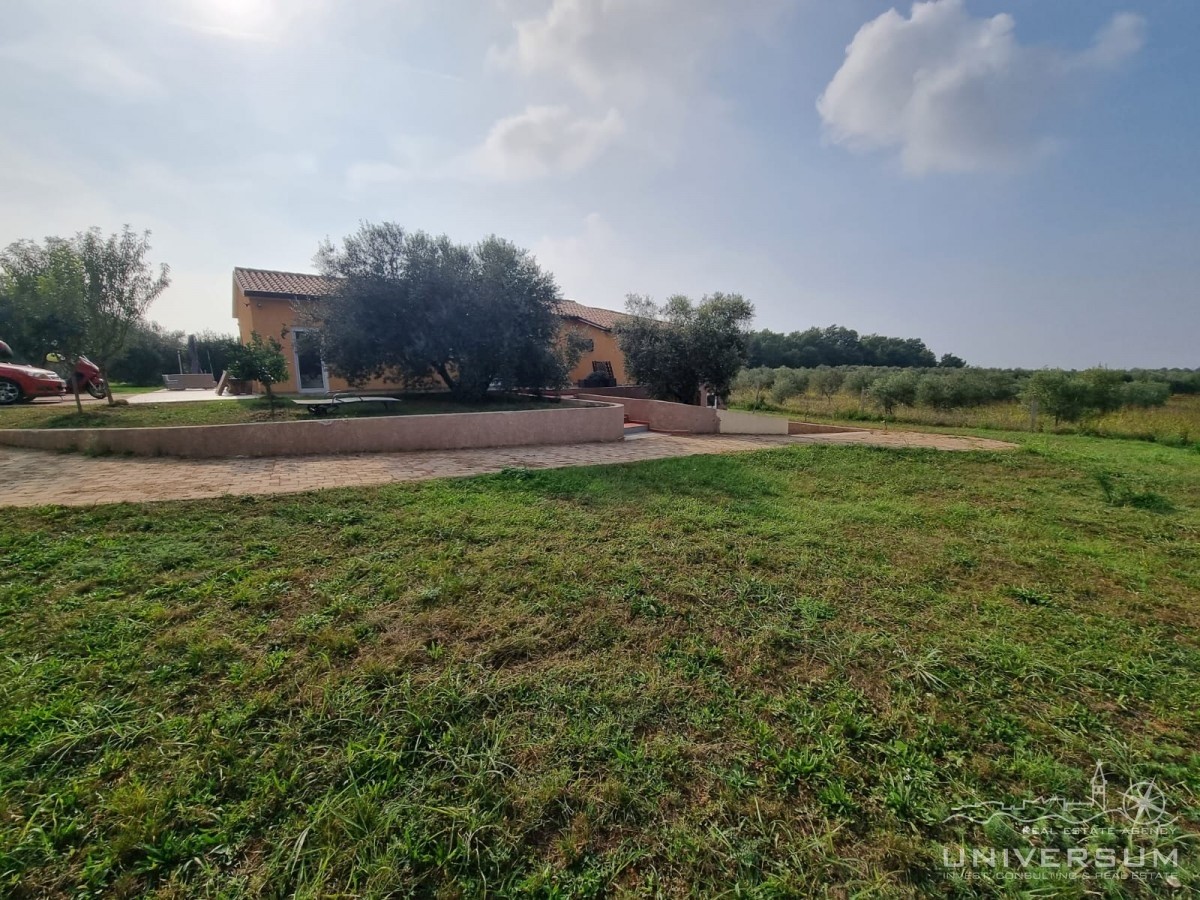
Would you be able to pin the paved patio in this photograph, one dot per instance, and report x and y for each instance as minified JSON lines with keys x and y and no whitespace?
{"x":37,"y":478}
{"x":196,"y":395}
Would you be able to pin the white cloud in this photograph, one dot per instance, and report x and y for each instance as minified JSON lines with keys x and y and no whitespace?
{"x":622,"y":49}
{"x":89,"y":63}
{"x":545,"y":140}
{"x":954,"y":92}
{"x":647,"y":59}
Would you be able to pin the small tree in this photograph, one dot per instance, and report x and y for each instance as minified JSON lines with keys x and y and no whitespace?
{"x":261,"y":361}
{"x":937,"y":392}
{"x":41,"y":298}
{"x":950,"y":361}
{"x":675,"y":348}
{"x":1065,"y":396}
{"x":757,"y":382}
{"x":41,"y":302}
{"x":119,"y":286}
{"x":897,"y":389}
{"x":827,"y":381}
{"x":789,"y":383}
{"x":1145,"y":394}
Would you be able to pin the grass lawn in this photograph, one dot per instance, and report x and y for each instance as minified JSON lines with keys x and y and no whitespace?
{"x":770,"y":674}
{"x":232,"y":412}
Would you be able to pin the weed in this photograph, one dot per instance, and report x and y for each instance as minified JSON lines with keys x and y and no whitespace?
{"x":761,"y":675}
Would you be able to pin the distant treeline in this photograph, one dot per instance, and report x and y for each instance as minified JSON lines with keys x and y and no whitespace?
{"x":838,"y":346}
{"x":152,"y":352}
{"x":1065,"y":395}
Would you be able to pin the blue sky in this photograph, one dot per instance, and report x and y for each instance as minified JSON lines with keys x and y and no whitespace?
{"x":1013,"y":181}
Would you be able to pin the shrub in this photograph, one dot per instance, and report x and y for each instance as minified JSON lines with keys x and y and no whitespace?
{"x":899,"y":389}
{"x":1144,"y":394}
{"x":756,"y":381}
{"x":789,"y":383}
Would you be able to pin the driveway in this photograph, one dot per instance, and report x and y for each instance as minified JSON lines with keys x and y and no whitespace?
{"x":37,"y":478}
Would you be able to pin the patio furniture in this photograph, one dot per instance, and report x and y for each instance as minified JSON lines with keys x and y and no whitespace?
{"x":189,"y":382}
{"x":331,"y":404}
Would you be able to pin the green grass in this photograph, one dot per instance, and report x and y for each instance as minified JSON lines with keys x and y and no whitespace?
{"x":763,"y":675}
{"x":231,"y":412}
{"x":1176,"y":424}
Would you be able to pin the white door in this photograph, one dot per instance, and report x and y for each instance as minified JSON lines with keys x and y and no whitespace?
{"x":311,"y":376}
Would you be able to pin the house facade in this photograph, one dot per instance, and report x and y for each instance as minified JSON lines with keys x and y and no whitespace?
{"x":267,"y":301}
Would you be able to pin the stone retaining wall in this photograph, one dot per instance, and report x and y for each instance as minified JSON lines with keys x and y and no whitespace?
{"x":661,"y":415}
{"x":582,"y":423}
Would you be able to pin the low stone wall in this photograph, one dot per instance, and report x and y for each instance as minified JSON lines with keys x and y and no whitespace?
{"x":583,"y":423}
{"x":660,"y":415}
{"x":733,"y":421}
{"x":633,"y":391}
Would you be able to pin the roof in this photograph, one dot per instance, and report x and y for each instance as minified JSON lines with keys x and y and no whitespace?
{"x":300,"y":284}
{"x":606,"y":319}
{"x":266,"y":281}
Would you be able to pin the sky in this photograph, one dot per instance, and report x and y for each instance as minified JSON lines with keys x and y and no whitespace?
{"x":1012,"y":181}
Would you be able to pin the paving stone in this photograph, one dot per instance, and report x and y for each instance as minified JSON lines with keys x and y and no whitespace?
{"x":37,"y":478}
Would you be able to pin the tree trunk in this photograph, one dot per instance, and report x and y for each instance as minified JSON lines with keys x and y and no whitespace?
{"x":444,"y":374}
{"x":270,"y":397}
{"x":107,"y":387}
{"x":75,"y":385}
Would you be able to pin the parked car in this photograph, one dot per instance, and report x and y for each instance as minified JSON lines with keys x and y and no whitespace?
{"x":20,"y":384}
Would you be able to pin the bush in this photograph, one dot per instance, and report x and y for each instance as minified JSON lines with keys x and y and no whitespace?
{"x":755,"y":381}
{"x":899,"y":389}
{"x":1144,"y":394}
{"x":827,"y":381}
{"x":789,"y":383}
{"x":261,"y":361}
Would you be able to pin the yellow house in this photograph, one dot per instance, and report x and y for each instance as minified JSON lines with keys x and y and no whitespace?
{"x":266,"y":301}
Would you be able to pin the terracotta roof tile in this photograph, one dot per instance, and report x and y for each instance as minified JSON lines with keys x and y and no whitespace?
{"x":265,"y":281}
{"x":592,"y":315}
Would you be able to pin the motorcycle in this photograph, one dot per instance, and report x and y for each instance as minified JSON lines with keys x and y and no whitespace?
{"x":86,"y":379}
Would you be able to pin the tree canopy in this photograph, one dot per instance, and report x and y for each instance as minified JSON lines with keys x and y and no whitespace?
{"x":838,"y":346}
{"x":259,"y":360}
{"x":410,"y":307}
{"x":41,"y":299}
{"x":119,"y":285}
{"x":79,"y":296}
{"x":675,"y":348}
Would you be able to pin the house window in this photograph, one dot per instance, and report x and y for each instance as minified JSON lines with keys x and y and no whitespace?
{"x":588,"y":345}
{"x":603,"y":366}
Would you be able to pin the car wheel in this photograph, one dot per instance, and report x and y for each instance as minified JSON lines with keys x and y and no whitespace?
{"x":10,"y":392}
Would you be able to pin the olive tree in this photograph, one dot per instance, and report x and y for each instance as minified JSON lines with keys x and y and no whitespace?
{"x":41,"y":298}
{"x":756,"y":382}
{"x":897,"y":389}
{"x":41,"y":302}
{"x":675,"y":348}
{"x":827,"y":381}
{"x":413,"y":308}
{"x":119,"y":284}
{"x":789,"y":383}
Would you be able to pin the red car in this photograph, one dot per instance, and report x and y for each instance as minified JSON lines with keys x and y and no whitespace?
{"x":20,"y":384}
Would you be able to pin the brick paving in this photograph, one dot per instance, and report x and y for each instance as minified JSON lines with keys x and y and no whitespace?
{"x":37,"y":478}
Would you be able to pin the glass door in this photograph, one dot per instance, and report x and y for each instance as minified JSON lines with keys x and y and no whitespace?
{"x":310,"y":368}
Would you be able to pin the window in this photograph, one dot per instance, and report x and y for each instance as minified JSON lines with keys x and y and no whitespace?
{"x":602,"y":366}
{"x":588,"y":345}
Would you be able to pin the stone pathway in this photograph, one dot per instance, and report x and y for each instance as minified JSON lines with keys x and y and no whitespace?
{"x":37,"y":478}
